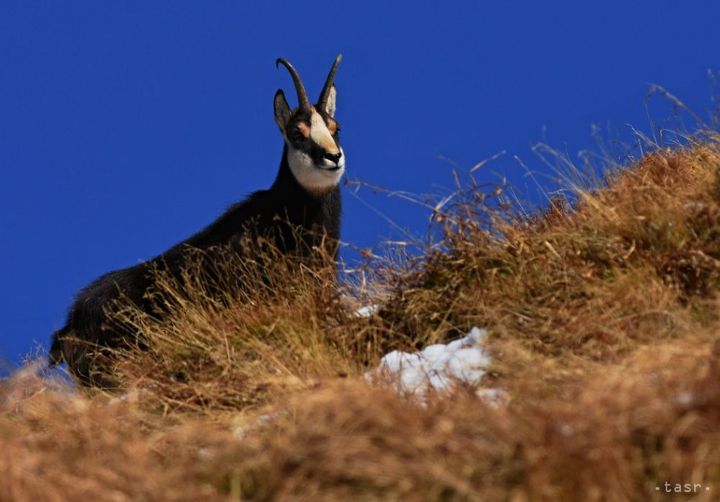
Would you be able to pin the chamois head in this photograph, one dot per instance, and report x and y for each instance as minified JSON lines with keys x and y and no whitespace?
{"x":311,"y":133}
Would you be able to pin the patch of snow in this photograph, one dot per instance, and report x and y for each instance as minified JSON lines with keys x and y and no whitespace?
{"x":439,"y":367}
{"x":367,"y":310}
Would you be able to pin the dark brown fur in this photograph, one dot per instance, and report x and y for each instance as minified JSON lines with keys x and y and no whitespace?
{"x":293,"y":220}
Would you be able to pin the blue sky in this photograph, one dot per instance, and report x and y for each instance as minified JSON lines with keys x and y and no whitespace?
{"x":127,"y":126}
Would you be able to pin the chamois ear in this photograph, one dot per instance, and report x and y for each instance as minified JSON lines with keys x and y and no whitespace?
{"x":282,"y":110}
{"x":330,"y":105}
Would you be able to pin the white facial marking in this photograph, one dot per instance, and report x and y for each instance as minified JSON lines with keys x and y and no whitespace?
{"x":320,"y":135}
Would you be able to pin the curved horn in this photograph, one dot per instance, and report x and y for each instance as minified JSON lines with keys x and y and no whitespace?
{"x":303,"y":100}
{"x":322,"y":102}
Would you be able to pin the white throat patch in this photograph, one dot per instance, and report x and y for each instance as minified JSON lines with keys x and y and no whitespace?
{"x":314,"y":178}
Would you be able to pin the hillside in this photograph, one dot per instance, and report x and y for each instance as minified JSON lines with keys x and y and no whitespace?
{"x":602,"y":318}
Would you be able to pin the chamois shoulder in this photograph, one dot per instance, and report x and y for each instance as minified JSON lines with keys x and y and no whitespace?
{"x":233,"y":221}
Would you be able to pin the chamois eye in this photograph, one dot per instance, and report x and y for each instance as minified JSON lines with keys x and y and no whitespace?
{"x":299,"y":132}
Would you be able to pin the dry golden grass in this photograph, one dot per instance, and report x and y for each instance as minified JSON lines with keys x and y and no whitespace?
{"x":603,"y":326}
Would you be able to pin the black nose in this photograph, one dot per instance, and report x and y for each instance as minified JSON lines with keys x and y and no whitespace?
{"x":335,"y":157}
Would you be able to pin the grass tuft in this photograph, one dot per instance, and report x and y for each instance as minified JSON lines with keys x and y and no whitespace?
{"x":602,"y":320}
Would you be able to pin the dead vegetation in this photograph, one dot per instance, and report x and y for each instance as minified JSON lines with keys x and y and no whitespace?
{"x":603,"y":326}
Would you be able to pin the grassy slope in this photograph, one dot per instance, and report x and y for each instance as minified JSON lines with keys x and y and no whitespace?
{"x":603,"y":323}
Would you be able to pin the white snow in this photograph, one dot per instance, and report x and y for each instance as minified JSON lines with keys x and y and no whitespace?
{"x":367,"y":310}
{"x":439,"y":367}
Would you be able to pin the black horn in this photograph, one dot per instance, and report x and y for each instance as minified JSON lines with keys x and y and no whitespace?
{"x":322,"y":102}
{"x":303,"y":100}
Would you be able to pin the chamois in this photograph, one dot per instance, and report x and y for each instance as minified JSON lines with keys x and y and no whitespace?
{"x":300,"y":211}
